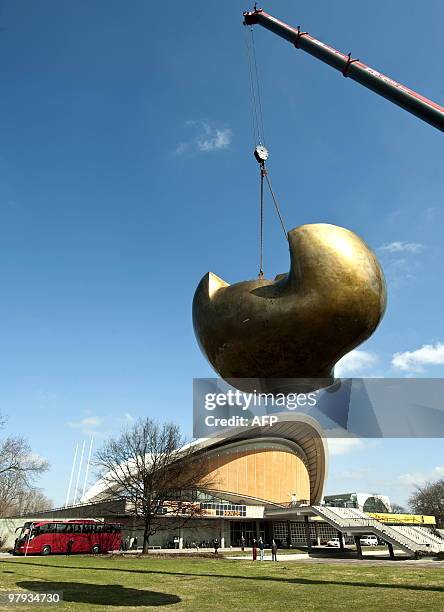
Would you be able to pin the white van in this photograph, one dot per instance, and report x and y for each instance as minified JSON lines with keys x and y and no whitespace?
{"x":369,"y":541}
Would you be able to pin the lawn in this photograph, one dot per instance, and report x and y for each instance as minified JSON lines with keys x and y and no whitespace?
{"x":91,"y":583}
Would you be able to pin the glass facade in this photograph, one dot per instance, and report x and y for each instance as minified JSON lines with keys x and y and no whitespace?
{"x":323,"y":531}
{"x":224,"y":509}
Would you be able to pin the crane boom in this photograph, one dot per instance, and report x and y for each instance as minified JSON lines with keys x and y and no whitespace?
{"x":414,"y":103}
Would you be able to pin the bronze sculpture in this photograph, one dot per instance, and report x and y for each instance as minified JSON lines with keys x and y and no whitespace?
{"x":298,"y":325}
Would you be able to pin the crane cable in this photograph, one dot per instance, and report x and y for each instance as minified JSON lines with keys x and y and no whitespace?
{"x":260,"y":151}
{"x":261,"y":225}
{"x":254,"y":91}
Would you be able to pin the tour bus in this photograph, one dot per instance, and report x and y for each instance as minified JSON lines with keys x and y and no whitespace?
{"x":76,"y":536}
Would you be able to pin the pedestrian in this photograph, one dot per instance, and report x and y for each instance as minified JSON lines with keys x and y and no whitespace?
{"x":131,"y":542}
{"x":242,"y":543}
{"x":135,"y":543}
{"x":216,"y":545}
{"x":274,"y":549}
{"x":261,"y":548}
{"x":254,"y":549}
{"x":69,"y":547}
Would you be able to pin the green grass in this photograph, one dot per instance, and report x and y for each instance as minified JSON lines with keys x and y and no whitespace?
{"x":92,"y":583}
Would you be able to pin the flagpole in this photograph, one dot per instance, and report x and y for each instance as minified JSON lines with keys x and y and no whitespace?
{"x":87,"y":467}
{"x":78,"y":473}
{"x":71,"y":477}
{"x":27,"y":541}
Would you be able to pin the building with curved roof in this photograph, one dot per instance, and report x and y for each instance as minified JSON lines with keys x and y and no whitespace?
{"x":251,"y":470}
{"x":277,"y":464}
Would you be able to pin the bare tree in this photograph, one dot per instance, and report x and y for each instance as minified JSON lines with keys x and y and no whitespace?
{"x":17,"y":457}
{"x":150,"y":467}
{"x":429,"y":499}
{"x":19,"y":467}
{"x":398,"y":509}
{"x":30,"y":501}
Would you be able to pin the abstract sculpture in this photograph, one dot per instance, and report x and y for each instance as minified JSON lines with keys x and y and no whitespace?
{"x":300,"y":324}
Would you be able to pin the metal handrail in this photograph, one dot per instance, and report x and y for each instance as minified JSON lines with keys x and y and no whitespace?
{"x":369,"y":522}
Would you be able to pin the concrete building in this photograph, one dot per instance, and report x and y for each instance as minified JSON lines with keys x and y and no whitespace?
{"x":367,"y":502}
{"x":267,"y":482}
{"x":267,"y":467}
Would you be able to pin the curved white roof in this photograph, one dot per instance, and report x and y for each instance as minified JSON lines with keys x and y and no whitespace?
{"x":300,"y":429}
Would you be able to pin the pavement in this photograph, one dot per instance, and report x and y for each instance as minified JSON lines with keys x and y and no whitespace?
{"x":282,"y":557}
{"x":372,"y":559}
{"x":379,"y":558}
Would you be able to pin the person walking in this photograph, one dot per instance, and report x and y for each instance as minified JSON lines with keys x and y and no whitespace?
{"x":69,"y":547}
{"x":274,"y":549}
{"x":242,"y":543}
{"x":261,"y":549}
{"x":216,"y":545}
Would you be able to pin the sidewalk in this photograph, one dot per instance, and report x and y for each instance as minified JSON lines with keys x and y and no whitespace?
{"x":282,"y":557}
{"x":178,"y":551}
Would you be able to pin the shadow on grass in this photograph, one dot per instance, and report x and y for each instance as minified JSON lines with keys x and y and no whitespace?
{"x":100,"y":594}
{"x":302,"y":581}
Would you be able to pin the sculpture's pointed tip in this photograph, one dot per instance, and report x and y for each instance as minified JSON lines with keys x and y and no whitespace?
{"x":215,"y":283}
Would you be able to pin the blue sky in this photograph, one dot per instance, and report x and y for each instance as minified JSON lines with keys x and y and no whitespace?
{"x":126,"y":173}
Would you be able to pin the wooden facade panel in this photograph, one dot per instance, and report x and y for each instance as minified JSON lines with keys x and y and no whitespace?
{"x":269,"y":474}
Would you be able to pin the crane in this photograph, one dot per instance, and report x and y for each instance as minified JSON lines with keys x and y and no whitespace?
{"x":353,"y":68}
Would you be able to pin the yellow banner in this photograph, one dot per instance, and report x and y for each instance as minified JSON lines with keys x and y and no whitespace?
{"x":412,"y":519}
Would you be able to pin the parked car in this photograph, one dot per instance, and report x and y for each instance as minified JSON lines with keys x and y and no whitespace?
{"x":334,"y":542}
{"x":369,"y":541}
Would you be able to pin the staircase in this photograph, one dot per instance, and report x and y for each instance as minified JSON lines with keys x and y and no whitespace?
{"x":413,"y":540}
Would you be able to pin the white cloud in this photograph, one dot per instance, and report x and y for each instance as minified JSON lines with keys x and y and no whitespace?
{"x":86,"y":422}
{"x":126,"y":419}
{"x":206,"y":138}
{"x":401,"y":262}
{"x":219,"y":139}
{"x":413,"y":361}
{"x":88,"y":425}
{"x":356,"y":362}
{"x":402,"y":247}
{"x":343,"y":446}
{"x":182,"y":147}
{"x":419,"y":478}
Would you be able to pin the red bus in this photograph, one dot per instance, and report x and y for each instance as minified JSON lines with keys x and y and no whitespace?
{"x":76,"y":536}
